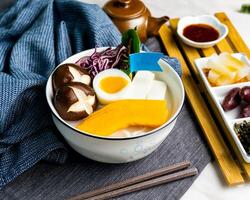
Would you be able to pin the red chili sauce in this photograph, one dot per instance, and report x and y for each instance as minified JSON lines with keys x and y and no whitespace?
{"x":201,"y":33}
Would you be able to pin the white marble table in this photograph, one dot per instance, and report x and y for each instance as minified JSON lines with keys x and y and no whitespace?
{"x":209,"y":185}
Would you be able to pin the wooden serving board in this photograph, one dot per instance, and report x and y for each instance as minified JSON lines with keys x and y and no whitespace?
{"x":234,"y":169}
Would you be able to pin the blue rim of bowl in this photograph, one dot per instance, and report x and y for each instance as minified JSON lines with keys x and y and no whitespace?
{"x":120,"y":138}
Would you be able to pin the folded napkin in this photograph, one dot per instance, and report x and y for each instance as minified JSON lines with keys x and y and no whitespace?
{"x":35,"y":36}
{"x":173,"y":62}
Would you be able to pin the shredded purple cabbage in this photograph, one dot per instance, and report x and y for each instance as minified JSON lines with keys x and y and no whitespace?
{"x":107,"y":59}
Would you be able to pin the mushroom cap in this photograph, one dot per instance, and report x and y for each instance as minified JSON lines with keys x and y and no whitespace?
{"x":74,"y":101}
{"x":67,"y":73}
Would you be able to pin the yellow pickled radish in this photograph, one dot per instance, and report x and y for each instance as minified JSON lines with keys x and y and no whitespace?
{"x":226,"y":69}
{"x":223,"y":80}
{"x":213,"y":76}
{"x":125,"y":113}
{"x":218,"y":66}
{"x":229,"y":60}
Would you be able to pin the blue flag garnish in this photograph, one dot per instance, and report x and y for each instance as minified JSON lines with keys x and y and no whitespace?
{"x":145,"y":61}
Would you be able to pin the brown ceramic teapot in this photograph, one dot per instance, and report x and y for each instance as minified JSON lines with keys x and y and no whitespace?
{"x":127,"y":14}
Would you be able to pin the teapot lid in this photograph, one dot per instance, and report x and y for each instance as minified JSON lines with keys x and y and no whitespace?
{"x":125,"y":9}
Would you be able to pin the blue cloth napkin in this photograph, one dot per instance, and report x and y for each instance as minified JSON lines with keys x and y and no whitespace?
{"x":173,"y":62}
{"x":35,"y":36}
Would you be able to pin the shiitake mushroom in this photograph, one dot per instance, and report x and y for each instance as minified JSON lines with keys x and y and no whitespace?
{"x":74,"y":101}
{"x":67,"y":73}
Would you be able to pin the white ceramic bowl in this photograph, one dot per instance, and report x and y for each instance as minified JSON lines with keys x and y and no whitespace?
{"x":203,"y":19}
{"x":120,"y":150}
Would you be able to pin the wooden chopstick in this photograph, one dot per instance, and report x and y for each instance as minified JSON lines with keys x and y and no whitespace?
{"x":147,"y":184}
{"x":140,"y":182}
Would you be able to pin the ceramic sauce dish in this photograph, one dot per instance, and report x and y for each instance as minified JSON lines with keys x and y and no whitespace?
{"x":201,"y":30}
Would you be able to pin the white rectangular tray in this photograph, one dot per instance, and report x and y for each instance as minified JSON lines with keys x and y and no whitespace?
{"x":218,"y":93}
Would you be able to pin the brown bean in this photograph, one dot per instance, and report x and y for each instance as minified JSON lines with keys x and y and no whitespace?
{"x":245,"y":112}
{"x":245,"y":94}
{"x":231,"y":100}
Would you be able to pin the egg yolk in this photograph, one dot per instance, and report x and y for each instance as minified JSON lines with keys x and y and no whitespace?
{"x":113,"y":84}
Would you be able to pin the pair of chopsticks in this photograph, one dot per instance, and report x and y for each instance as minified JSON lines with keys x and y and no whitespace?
{"x":160,"y":176}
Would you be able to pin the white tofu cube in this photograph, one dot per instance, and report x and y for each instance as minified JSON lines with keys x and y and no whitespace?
{"x":157,"y":91}
{"x":140,"y":85}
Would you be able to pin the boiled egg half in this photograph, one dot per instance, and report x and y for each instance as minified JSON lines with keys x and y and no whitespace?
{"x":110,"y":85}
